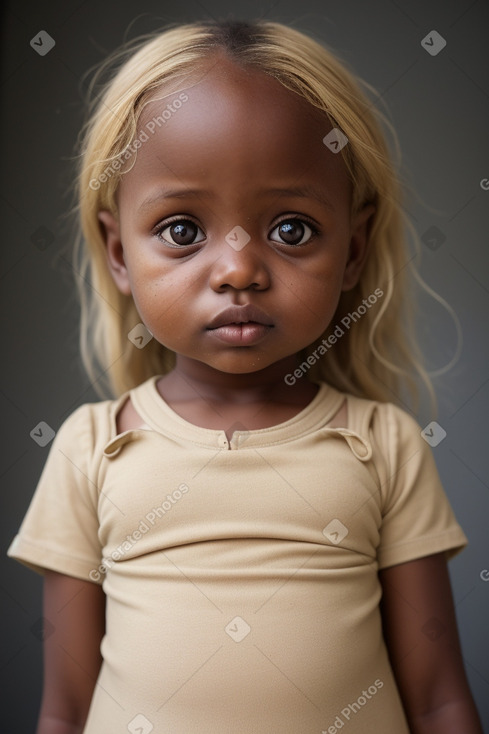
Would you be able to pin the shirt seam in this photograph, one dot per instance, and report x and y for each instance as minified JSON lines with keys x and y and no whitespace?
{"x":317,"y":425}
{"x":419,"y":538}
{"x":21,"y":537}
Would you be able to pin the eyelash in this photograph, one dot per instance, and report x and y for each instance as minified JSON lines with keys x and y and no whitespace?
{"x":178,"y":218}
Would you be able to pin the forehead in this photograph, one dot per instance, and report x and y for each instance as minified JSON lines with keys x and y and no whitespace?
{"x":230,"y":125}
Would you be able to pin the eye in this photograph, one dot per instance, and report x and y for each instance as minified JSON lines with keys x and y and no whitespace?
{"x":179,"y":233}
{"x":294,"y":232}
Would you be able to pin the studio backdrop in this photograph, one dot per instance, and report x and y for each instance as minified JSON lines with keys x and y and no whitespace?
{"x":429,"y":63}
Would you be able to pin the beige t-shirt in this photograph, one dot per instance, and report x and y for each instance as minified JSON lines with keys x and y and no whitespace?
{"x":241,"y":577}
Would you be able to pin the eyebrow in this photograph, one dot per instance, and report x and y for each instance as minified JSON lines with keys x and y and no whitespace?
{"x":303,"y":192}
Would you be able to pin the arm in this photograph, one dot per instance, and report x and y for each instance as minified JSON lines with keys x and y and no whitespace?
{"x":72,"y":659}
{"x":420,"y":630}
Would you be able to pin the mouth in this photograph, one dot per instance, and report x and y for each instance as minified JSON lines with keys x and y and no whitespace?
{"x":239,"y":315}
{"x":241,"y":325}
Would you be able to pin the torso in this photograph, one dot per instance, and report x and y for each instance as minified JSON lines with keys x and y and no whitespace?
{"x":243,"y":547}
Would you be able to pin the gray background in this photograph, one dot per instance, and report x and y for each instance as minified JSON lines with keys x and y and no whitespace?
{"x":439,"y":106}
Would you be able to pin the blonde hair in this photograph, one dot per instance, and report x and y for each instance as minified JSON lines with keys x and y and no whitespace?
{"x":377,"y":356}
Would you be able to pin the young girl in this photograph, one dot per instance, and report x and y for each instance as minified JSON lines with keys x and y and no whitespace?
{"x":251,"y":536}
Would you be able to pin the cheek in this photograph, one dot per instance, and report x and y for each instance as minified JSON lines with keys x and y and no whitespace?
{"x":144,"y":272}
{"x":318,"y":286}
{"x":146,"y":291}
{"x":163,"y":301}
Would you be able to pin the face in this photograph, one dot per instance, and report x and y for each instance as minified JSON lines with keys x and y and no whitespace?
{"x":234,"y":234}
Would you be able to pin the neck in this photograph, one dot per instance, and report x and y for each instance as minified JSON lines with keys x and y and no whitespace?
{"x":191,"y":378}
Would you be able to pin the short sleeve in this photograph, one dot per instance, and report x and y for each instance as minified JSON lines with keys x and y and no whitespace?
{"x":417,"y":519}
{"x":60,"y":528}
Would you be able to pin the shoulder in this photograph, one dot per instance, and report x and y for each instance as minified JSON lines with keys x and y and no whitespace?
{"x":382,"y":420}
{"x":88,"y":428}
{"x":396,"y":438}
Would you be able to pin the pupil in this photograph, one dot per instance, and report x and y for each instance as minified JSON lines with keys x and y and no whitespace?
{"x":292,"y":232}
{"x":183,"y":234}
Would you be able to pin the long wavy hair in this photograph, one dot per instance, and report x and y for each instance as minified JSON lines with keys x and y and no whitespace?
{"x":377,"y":357}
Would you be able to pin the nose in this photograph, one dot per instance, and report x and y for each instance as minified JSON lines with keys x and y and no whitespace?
{"x":239,"y":266}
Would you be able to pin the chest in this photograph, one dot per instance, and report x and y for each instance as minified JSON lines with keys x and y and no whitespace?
{"x":313,"y":490}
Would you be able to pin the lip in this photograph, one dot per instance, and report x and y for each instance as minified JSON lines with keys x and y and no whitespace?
{"x":241,"y":335}
{"x":240,"y":315}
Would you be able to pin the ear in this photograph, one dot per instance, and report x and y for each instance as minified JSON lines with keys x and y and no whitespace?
{"x":359,"y":246}
{"x":115,"y":252}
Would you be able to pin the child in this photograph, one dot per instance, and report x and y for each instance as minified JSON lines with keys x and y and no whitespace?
{"x":250,"y":537}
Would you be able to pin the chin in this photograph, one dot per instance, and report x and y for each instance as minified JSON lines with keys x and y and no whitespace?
{"x":237,"y":366}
